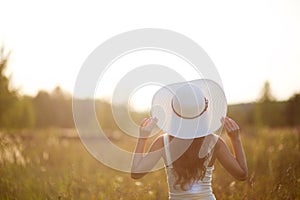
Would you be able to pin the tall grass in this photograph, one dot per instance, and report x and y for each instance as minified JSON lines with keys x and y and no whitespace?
{"x":43,"y":165}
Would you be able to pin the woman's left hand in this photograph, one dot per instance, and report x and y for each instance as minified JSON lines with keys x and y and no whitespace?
{"x":146,"y":126}
{"x":232,"y":128}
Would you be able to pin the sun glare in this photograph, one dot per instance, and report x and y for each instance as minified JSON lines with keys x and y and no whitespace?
{"x":126,"y":66}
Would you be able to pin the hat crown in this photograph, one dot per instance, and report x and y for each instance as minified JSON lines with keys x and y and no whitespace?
{"x":188,"y":102}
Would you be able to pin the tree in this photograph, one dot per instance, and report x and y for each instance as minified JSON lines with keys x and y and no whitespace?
{"x":21,"y":115}
{"x":293,"y":110}
{"x":266,"y":95}
{"x":62,"y":108}
{"x":7,"y":95}
{"x":267,"y":111}
{"x":54,"y":109}
{"x":43,"y":109}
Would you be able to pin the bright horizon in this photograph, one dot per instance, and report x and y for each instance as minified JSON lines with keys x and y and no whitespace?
{"x":250,"y":43}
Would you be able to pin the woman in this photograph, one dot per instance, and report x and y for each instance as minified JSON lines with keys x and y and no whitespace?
{"x":191,"y":114}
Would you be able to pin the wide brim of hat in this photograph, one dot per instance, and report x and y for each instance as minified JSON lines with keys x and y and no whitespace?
{"x":207,"y":123}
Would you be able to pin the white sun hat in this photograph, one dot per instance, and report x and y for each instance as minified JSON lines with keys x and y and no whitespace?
{"x":190,"y":109}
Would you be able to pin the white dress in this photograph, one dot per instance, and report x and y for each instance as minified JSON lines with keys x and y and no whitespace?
{"x":199,"y":190}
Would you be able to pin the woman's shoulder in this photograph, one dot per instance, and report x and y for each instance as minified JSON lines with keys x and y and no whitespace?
{"x":158,"y":143}
{"x":220,"y":145}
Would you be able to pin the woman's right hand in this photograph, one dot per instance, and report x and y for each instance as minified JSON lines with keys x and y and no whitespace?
{"x":146,"y":126}
{"x":232,"y":128}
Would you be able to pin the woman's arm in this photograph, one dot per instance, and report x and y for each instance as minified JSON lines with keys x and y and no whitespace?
{"x":235,"y":164}
{"x":142,"y":163}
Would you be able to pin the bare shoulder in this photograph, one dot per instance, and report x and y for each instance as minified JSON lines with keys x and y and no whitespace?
{"x":222,"y":150}
{"x":220,"y":145}
{"x":158,"y":143}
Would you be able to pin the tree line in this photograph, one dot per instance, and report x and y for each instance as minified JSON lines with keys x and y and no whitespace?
{"x":267,"y":111}
{"x":54,"y":109}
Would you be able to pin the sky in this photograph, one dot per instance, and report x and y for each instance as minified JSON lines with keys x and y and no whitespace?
{"x":249,"y":41}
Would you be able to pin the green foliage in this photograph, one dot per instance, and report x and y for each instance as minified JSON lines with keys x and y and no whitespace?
{"x":53,"y":110}
{"x":242,"y":113}
{"x":105,"y":115}
{"x":274,"y":168}
{"x":267,"y":112}
{"x":21,"y":115}
{"x":270,"y":113}
{"x":46,"y":164}
{"x":293,"y":110}
{"x":7,"y":95}
{"x":15,"y":111}
{"x":266,"y":95}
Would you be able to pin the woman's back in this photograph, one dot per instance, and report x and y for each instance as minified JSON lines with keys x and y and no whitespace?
{"x":197,"y":189}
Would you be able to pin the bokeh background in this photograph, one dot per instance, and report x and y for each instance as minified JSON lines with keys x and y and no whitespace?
{"x":254,"y":45}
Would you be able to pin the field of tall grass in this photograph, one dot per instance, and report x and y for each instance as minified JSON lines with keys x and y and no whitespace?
{"x":48,"y":164}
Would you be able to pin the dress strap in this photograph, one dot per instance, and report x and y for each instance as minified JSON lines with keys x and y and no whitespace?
{"x":208,"y":158}
{"x":207,"y":148}
{"x":167,"y":151}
